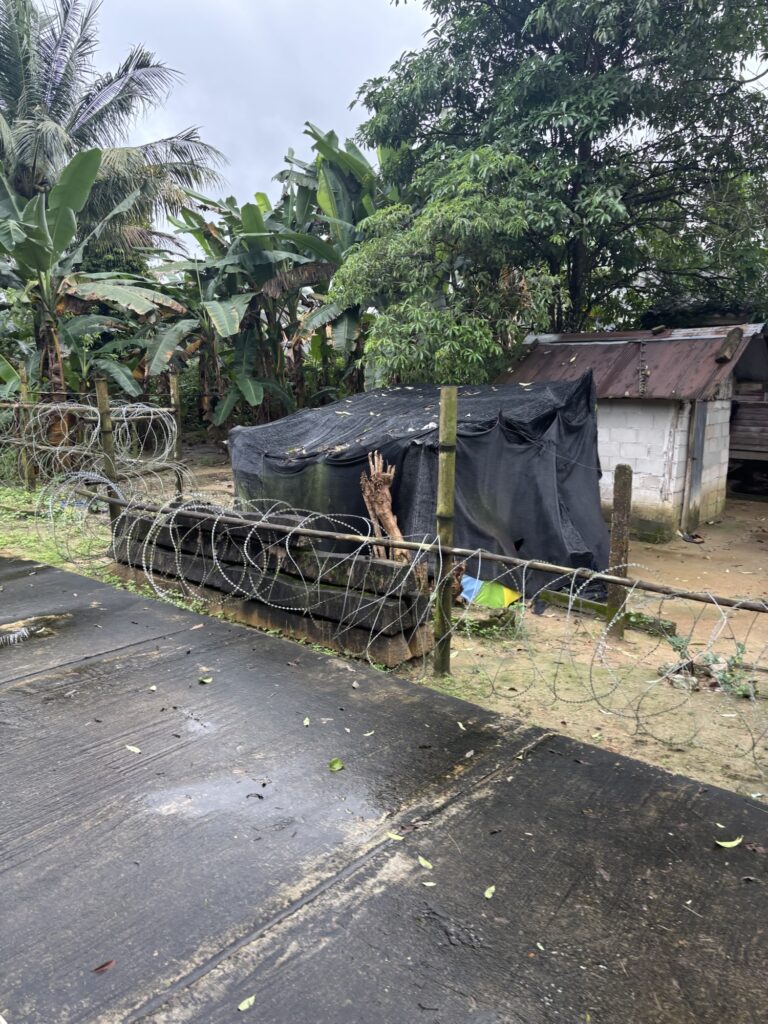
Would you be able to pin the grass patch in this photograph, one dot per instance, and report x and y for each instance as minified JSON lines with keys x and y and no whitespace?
{"x":56,"y":538}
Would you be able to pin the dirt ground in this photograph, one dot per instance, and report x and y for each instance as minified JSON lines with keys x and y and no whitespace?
{"x":560,"y":670}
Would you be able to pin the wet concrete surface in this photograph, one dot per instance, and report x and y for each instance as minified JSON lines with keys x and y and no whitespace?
{"x":193,"y":834}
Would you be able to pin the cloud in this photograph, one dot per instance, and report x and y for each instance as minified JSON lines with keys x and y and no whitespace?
{"x":256,"y":70}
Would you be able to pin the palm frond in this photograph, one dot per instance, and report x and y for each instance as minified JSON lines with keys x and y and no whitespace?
{"x":67,"y":47}
{"x":19,"y":64}
{"x":53,"y":104}
{"x":195,"y":163}
{"x":41,"y":146}
{"x":115,"y":100}
{"x":7,"y":144}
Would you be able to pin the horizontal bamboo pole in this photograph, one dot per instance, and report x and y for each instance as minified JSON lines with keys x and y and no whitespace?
{"x":426,"y":548}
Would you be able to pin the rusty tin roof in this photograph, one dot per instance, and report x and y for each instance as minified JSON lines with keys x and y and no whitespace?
{"x":672,"y":364}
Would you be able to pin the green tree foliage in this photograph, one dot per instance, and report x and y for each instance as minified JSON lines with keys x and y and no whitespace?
{"x":631,"y":134}
{"x":445,"y":278}
{"x":53,"y":104}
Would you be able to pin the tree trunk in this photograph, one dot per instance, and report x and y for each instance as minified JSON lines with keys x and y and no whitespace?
{"x":578,"y":273}
{"x":52,"y":363}
{"x":579,"y":258}
{"x":210,"y":380}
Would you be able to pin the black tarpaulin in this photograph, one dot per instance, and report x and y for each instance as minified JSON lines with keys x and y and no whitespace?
{"x":527,"y":471}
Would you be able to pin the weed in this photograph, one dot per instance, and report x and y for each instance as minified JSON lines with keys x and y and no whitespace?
{"x":728,"y":673}
{"x":505,"y":625}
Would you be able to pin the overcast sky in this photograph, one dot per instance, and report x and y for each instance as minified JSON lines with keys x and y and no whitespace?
{"x":256,"y":70}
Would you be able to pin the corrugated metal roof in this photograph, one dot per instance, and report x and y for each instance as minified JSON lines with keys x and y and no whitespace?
{"x":678,"y":364}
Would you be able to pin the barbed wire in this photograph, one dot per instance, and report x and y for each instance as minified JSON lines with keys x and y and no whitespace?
{"x":61,"y":438}
{"x":686,"y":676}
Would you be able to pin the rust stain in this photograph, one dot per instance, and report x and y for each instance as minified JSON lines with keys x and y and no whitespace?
{"x":672,"y":364}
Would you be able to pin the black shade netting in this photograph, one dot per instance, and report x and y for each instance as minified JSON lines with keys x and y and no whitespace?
{"x":527,"y":468}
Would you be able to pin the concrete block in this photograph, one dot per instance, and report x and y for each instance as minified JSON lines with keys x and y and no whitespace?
{"x":621,"y":435}
{"x":647,"y":482}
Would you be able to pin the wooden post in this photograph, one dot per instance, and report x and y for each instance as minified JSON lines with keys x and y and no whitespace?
{"x":446,"y":496}
{"x":107,"y":440}
{"x":27,"y":469}
{"x":173,"y":388}
{"x":622,"y":507}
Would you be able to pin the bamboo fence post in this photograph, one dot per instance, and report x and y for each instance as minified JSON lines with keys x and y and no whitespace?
{"x":107,"y":437}
{"x":27,"y":469}
{"x":175,"y":394}
{"x":446,"y":498}
{"x":622,"y":507}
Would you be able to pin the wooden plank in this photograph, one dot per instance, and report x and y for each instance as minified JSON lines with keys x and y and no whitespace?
{"x":303,"y":561}
{"x":750,"y":456}
{"x":730,"y":344}
{"x":342,"y":605}
{"x":695,"y":466}
{"x":142,"y":523}
{"x":390,"y":651}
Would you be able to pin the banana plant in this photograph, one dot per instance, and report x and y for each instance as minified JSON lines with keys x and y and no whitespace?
{"x":203,"y":331}
{"x":87,"y":353}
{"x":9,"y":379}
{"x":248,"y":297}
{"x":348,"y":189}
{"x":36,"y":239}
{"x":259,"y":287}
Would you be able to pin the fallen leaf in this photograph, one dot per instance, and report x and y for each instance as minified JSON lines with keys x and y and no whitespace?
{"x":103,"y":968}
{"x":247,"y":1004}
{"x":489,"y":892}
{"x":425,"y":863}
{"x":730,"y":845}
{"x":198,"y":626}
{"x":306,"y":722}
{"x":750,"y":878}
{"x":429,"y":885}
{"x":205,"y":680}
{"x":336,"y":765}
{"x":395,"y":836}
{"x":133,"y":750}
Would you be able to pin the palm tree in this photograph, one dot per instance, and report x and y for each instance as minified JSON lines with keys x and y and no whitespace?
{"x":53,"y":104}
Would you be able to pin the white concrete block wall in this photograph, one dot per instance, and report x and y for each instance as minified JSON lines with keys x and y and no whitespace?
{"x":651,"y":437}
